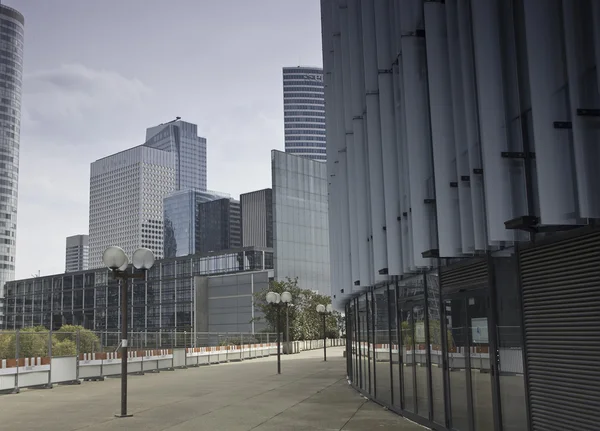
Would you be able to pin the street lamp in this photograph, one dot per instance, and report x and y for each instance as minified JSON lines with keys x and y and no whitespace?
{"x":286,"y":298}
{"x":278,"y":300}
{"x":324,"y":311}
{"x":117,"y":261}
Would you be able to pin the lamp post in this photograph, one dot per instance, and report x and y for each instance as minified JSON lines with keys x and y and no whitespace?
{"x":278,"y":300}
{"x":286,"y":298}
{"x":324,"y":311}
{"x":117,"y":261}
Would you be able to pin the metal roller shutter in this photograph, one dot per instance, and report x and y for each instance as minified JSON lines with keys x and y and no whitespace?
{"x":470,"y":274}
{"x":561,"y":316}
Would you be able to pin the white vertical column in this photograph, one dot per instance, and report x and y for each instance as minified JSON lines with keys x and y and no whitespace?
{"x":418,"y":135}
{"x":471,"y":124}
{"x":442,"y":131}
{"x":460,"y":139}
{"x":388,"y":138}
{"x":492,"y":118}
{"x":341,"y":172}
{"x":378,"y":212}
{"x":547,"y":81}
{"x":596,"y":27}
{"x":360,"y":168}
{"x":582,"y":95}
{"x":349,"y":138}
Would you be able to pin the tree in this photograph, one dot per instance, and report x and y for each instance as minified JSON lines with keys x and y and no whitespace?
{"x":305,"y":321}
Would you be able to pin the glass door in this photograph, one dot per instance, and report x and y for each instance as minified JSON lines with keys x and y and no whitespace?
{"x":470,"y":378}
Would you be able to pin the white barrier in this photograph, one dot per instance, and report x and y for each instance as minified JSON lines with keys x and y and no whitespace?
{"x":34,"y":372}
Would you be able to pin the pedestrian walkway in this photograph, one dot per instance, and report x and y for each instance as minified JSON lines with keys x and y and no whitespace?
{"x":309,"y":395}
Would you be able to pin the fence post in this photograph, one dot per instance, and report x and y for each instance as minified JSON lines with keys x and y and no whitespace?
{"x":49,"y":385}
{"x":241,"y":346}
{"x":77,"y":352}
{"x":17,"y":348}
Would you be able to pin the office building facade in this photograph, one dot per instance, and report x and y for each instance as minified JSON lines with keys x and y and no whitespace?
{"x":174,"y":296}
{"x":12,"y":26}
{"x":300,"y":223}
{"x":220,"y":225}
{"x":304,"y":112}
{"x":77,"y":253}
{"x":126,"y":201}
{"x":464,"y":186}
{"x":188,"y":149}
{"x":257,"y":218}
{"x":182,"y":221}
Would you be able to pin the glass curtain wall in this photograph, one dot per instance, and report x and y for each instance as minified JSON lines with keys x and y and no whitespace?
{"x":429,"y":357}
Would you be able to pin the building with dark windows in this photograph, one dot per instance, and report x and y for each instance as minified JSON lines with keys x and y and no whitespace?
{"x":77,"y":253}
{"x":182,"y":221}
{"x":189,"y":152}
{"x":220,"y":225}
{"x":462,"y":166}
{"x":304,"y":112}
{"x":175,"y":295}
{"x":12,"y":26}
{"x":257,"y":218}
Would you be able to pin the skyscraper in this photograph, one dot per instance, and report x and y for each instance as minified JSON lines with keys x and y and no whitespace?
{"x":11,"y":51}
{"x":77,"y":253}
{"x":304,"y":112}
{"x":219,"y":225}
{"x":126,"y":201}
{"x":257,"y":218}
{"x":182,"y":221}
{"x":189,"y":150}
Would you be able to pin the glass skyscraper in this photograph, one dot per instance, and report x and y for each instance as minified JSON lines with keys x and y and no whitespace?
{"x":182,"y":223}
{"x":181,"y":138}
{"x":304,"y":112}
{"x":11,"y":53}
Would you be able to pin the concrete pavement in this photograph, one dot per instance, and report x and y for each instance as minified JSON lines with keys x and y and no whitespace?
{"x":309,"y":395}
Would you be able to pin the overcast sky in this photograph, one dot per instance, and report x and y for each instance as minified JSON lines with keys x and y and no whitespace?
{"x":98,"y":72}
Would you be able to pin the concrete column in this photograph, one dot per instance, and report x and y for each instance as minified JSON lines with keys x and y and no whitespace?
{"x":349,"y":137}
{"x":492,"y":118}
{"x":417,"y":131}
{"x":547,"y":79}
{"x":388,"y":137}
{"x":378,"y":212}
{"x":442,"y":131}
{"x":580,"y":59}
{"x":360,"y":168}
{"x":471,"y":124}
{"x":460,"y":139}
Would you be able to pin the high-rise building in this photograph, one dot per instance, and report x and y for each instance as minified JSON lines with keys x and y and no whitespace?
{"x":12,"y":26}
{"x":77,"y":253}
{"x":126,"y":201}
{"x":257,"y":218}
{"x":220,"y":225}
{"x":182,"y":221}
{"x":464,"y":199}
{"x":189,"y":150}
{"x":300,"y":226}
{"x":304,"y":112}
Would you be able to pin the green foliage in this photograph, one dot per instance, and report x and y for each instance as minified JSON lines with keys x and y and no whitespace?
{"x":33,"y":342}
{"x":305,"y":322}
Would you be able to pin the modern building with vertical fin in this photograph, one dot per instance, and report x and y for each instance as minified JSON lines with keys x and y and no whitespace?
{"x":304,"y":112}
{"x":12,"y":25}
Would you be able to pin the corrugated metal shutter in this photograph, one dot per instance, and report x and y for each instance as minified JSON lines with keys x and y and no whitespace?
{"x":470,"y":274}
{"x":561,"y":311}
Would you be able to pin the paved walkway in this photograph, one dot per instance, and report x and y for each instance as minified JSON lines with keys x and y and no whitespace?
{"x":309,"y":395}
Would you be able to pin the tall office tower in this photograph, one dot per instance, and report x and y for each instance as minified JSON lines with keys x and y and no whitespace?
{"x":300,"y":225}
{"x":77,"y":253}
{"x":126,"y":201}
{"x":182,"y":222}
{"x":11,"y":51}
{"x":219,"y":225}
{"x":304,"y":112}
{"x":257,"y":218}
{"x":181,"y":138}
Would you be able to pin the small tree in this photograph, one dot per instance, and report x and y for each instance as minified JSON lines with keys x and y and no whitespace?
{"x":305,"y":322}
